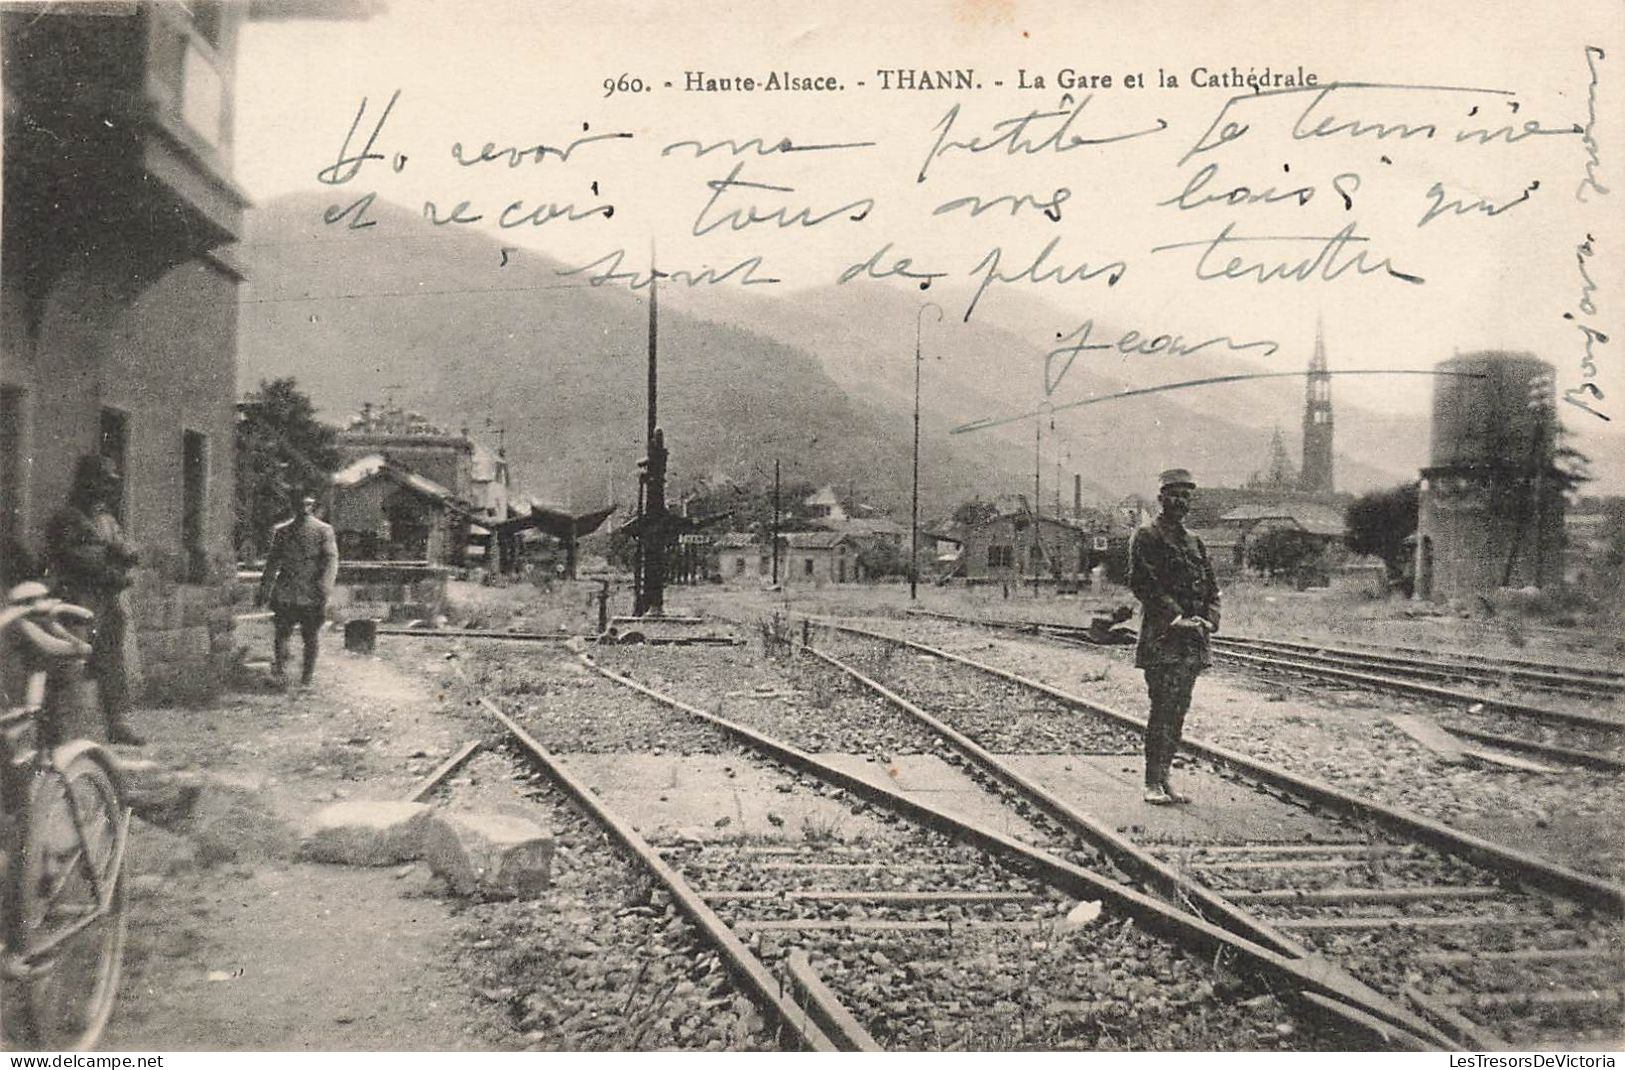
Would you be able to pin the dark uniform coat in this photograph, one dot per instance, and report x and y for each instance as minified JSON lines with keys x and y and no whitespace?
{"x":302,"y":565}
{"x":1169,"y":572}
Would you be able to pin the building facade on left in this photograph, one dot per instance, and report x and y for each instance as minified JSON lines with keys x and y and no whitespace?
{"x":118,"y":297}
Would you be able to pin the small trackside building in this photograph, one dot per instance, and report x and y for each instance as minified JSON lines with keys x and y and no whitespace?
{"x":816,"y":558}
{"x":1017,"y":547}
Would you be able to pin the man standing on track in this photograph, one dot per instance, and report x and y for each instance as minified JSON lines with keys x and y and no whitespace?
{"x":1170,"y":574}
{"x":300,"y":570}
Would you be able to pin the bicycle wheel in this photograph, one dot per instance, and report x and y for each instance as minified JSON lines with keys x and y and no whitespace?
{"x":72,"y":907}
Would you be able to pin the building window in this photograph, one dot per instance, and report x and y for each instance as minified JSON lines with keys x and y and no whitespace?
{"x":207,"y":18}
{"x":195,"y":504}
{"x":807,"y":566}
{"x":11,"y":469}
{"x":113,"y":443}
{"x":1000,"y":556}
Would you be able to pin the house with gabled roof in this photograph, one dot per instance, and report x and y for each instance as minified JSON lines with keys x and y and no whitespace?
{"x":1019,"y":546}
{"x":815,"y":558}
{"x":382,"y":511}
{"x":1318,"y":523}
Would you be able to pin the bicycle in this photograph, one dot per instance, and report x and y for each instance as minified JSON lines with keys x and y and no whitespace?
{"x":63,"y":829}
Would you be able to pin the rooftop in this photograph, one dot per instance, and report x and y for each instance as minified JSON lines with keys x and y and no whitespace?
{"x":1315,"y":519}
{"x":814,"y":540}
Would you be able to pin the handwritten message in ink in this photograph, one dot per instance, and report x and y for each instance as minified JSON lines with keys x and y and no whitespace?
{"x":1153,"y":200}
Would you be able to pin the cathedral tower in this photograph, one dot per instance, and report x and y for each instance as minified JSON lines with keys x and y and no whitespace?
{"x":1317,"y":423}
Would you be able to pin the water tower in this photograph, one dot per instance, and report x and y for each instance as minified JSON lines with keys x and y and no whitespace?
{"x":1491,"y":503}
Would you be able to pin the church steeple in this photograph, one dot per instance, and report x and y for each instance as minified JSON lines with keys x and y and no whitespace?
{"x":1317,"y":422}
{"x":1280,"y":473}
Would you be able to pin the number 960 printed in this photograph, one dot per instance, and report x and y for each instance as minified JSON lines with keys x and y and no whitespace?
{"x":625,"y":83}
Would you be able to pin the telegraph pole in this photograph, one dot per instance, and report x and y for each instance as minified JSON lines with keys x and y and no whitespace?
{"x":652,"y":533}
{"x":1057,"y":445}
{"x":775,"y":521}
{"x":1038,"y":447}
{"x":914,"y":506}
{"x":639,"y":602}
{"x":1038,"y":501}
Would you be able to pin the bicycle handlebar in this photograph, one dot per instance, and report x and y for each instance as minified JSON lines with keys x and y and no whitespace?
{"x":49,"y":637}
{"x":59,"y":609}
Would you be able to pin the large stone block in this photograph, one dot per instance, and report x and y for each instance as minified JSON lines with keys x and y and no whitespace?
{"x":194,"y":606}
{"x":363,"y":832}
{"x":192,"y":647}
{"x":157,"y":649}
{"x":160,"y":795}
{"x":491,"y":854}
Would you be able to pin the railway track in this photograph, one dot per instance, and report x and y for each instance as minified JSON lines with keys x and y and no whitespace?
{"x":1394,"y":666}
{"x":1458,"y":667}
{"x":1476,"y":669}
{"x":1573,"y":737}
{"x":917,"y":927}
{"x":1440,"y":920}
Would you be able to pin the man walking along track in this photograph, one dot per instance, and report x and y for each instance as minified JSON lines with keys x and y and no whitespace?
{"x":1169,"y":572}
{"x":300,"y":570}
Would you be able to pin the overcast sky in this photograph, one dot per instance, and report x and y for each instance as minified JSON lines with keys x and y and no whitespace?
{"x":519,"y":75}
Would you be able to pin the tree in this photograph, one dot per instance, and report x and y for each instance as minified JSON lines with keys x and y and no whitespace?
{"x":1286,"y":551}
{"x":1570,"y":467}
{"x":882,"y":559}
{"x":1379,"y":523}
{"x":750,"y":507}
{"x":280,"y":446}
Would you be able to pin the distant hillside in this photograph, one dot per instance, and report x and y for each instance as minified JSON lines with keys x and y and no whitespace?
{"x":823,"y":380}
{"x":440,"y":323}
{"x":993,"y":366}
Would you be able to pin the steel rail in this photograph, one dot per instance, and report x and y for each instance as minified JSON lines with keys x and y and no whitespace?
{"x":745,"y":967}
{"x":1425,"y":670}
{"x":1420,"y":690}
{"x":443,"y":771}
{"x":1452,"y":658}
{"x":826,"y":1006}
{"x":1587,"y":758}
{"x":549,"y":637}
{"x":1141,"y":865}
{"x":1399,"y":1026}
{"x":1593,"y":891}
{"x":1068,"y":632}
{"x":1552,"y":677}
{"x":460,"y":633}
{"x":1486,"y":661}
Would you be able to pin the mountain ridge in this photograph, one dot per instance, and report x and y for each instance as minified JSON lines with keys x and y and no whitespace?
{"x":474,"y":333}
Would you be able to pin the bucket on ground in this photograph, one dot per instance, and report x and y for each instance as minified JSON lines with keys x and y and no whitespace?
{"x":361,"y":636}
